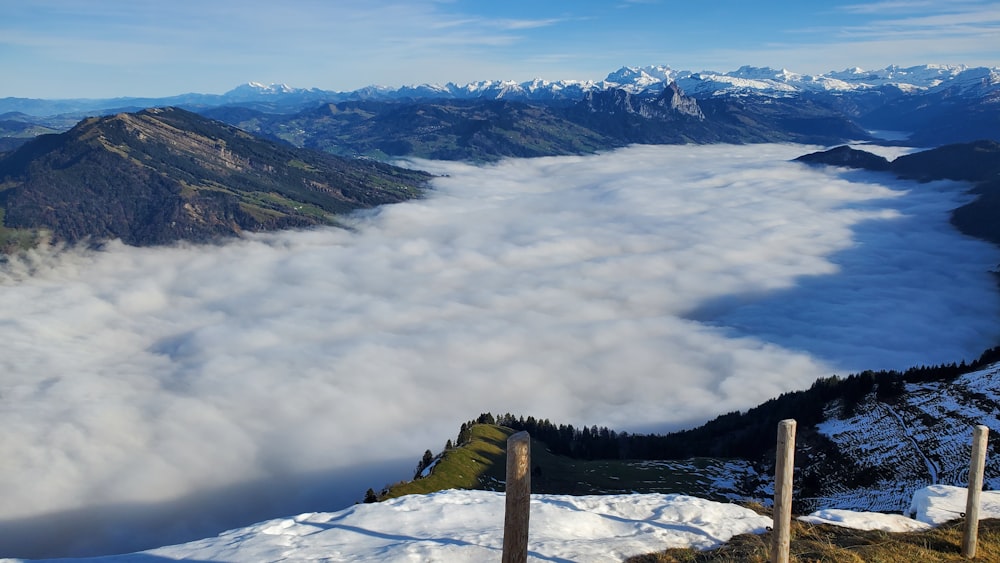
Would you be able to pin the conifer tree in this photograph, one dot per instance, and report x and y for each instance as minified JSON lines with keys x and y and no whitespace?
{"x":464,"y":434}
{"x":425,"y":462}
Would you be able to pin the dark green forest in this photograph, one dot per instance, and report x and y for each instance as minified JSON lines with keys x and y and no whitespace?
{"x":745,"y":435}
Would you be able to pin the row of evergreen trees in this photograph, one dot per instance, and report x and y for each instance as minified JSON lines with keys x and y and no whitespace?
{"x":746,"y":435}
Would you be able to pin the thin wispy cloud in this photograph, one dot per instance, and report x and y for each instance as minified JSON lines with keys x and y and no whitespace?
{"x":131,"y":41}
{"x":525,"y":24}
{"x":109,"y":48}
{"x":898,"y":33}
{"x":888,"y":7}
{"x":633,"y":3}
{"x":979,"y":21}
{"x":639,"y":289}
{"x":872,"y":36}
{"x":892,"y":38}
{"x":951,"y":30}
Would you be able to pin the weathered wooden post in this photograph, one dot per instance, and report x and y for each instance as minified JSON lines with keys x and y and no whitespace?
{"x":972,"y":501}
{"x":518,"y":498}
{"x":783,"y":471}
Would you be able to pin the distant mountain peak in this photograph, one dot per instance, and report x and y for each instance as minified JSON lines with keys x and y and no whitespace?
{"x":257,"y":89}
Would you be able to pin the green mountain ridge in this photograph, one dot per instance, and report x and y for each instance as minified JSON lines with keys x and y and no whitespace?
{"x":865,"y":442}
{"x":977,"y":162}
{"x":478,"y":461}
{"x":164,"y":175}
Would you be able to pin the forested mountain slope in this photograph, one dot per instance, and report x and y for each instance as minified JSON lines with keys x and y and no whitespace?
{"x":163,"y":175}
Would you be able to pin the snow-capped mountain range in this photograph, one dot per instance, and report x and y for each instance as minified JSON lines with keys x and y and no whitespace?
{"x":973,"y":82}
{"x":654,"y":78}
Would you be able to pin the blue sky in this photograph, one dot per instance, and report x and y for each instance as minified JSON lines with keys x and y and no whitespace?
{"x":106,"y":48}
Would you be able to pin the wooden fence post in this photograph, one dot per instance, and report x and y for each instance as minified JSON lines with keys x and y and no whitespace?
{"x":972,"y":501}
{"x":518,"y":499}
{"x":783,"y":471}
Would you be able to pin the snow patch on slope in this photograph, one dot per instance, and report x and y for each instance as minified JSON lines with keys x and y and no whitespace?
{"x":922,"y":439}
{"x":938,"y":504}
{"x":866,"y":520}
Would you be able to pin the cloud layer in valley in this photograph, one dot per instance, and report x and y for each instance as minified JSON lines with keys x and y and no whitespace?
{"x":645,"y":289}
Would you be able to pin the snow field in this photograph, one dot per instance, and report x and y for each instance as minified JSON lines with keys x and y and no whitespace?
{"x":467,"y":527}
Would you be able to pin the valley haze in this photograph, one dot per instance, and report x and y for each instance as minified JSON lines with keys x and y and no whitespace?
{"x":646,"y":289}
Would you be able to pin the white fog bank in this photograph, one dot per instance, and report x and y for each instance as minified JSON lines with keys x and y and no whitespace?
{"x":649,"y":288}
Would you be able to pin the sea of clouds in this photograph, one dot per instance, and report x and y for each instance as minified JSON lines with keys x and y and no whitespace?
{"x":646,"y":289}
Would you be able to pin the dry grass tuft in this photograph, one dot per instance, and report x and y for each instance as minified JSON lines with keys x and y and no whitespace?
{"x":834,"y":544}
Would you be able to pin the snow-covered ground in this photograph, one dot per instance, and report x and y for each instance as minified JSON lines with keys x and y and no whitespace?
{"x":938,"y":504}
{"x":467,"y":526}
{"x":931,"y":506}
{"x":921,"y":439}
